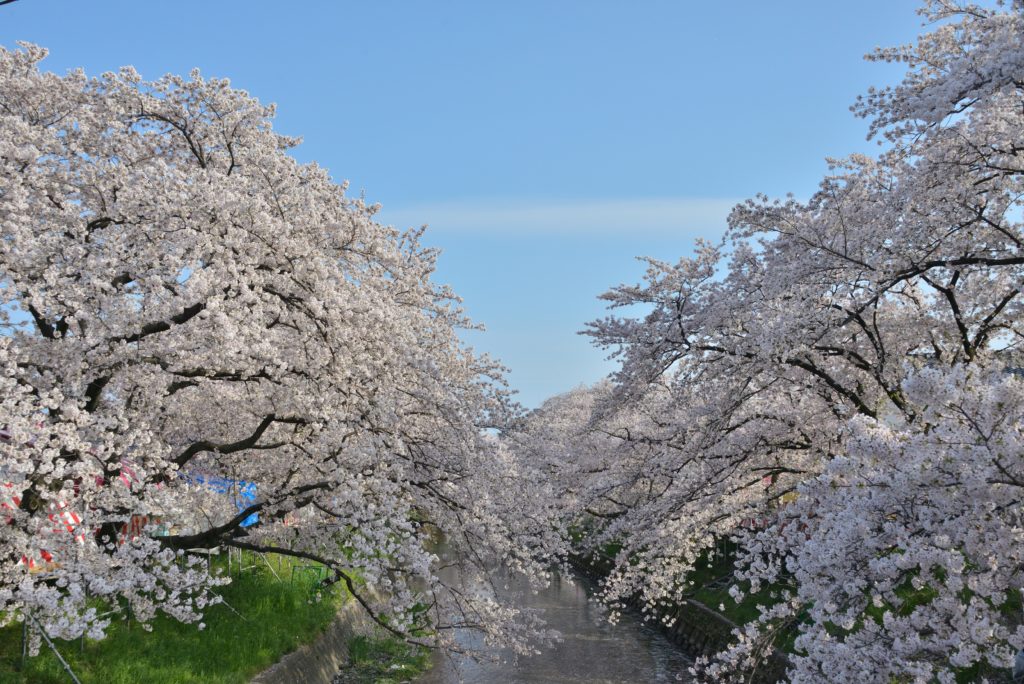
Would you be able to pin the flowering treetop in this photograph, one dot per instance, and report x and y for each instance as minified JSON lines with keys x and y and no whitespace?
{"x":180,"y":296}
{"x":837,"y":386}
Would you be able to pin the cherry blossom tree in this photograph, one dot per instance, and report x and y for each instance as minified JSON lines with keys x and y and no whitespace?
{"x":837,"y":387}
{"x":183,"y":302}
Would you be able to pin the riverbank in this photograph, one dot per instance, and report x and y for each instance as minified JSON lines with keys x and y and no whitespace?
{"x":272,"y":607}
{"x":351,"y":650}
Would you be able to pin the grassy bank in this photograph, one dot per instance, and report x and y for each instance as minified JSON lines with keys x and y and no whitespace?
{"x":708,"y":584}
{"x":263,"y":617}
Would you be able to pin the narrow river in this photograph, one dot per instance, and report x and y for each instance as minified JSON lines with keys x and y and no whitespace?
{"x":591,"y":650}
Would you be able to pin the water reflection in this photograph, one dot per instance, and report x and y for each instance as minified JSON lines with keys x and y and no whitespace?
{"x":591,"y":651}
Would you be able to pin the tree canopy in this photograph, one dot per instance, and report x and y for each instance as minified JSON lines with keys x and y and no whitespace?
{"x":836,"y":386}
{"x":184,"y":304}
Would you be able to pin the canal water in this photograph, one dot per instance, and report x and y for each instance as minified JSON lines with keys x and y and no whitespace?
{"x":591,"y":650}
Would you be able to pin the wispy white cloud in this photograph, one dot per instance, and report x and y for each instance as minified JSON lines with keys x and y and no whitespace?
{"x":648,"y":217}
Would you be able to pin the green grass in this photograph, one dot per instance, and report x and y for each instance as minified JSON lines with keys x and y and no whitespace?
{"x":273,"y":618}
{"x":709,"y":583}
{"x":383,"y":661}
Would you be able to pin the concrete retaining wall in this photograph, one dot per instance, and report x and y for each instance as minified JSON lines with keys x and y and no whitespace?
{"x":319,"y":662}
{"x":701,"y":631}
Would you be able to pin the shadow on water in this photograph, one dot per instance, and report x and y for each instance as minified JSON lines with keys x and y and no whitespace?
{"x":591,"y":650}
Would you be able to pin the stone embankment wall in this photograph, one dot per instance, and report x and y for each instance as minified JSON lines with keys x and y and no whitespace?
{"x":319,"y":662}
{"x":697,"y":629}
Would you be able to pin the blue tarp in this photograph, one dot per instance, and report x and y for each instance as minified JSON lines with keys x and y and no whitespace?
{"x":242,"y":493}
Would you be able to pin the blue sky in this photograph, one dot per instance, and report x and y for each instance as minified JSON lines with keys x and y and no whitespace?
{"x":546,"y":143}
